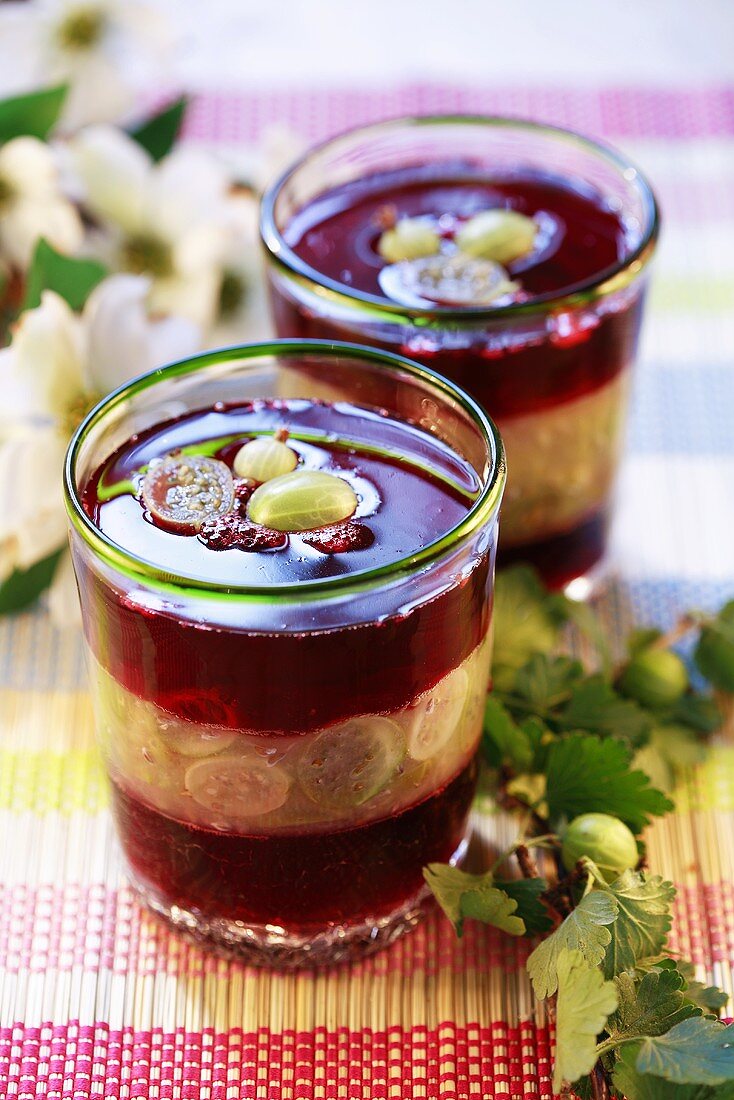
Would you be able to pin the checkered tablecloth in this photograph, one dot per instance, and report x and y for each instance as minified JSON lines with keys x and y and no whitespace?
{"x":99,"y":999}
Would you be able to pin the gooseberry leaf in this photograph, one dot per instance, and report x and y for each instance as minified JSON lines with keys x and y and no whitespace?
{"x":72,"y":278}
{"x":159,"y":133}
{"x":34,"y":114}
{"x":669,"y":749}
{"x":632,"y":1084}
{"x":524,"y":622}
{"x":699,"y":1051}
{"x":583,"y":1005}
{"x":584,"y":930}
{"x":643,"y":921}
{"x":699,"y":712}
{"x":461,"y":895}
{"x":587,"y":623}
{"x":587,"y":775}
{"x":595,"y":706}
{"x":24,"y":586}
{"x":504,"y":742}
{"x":544,"y":682}
{"x":650,"y":1006}
{"x":530,"y":909}
{"x":714,"y":653}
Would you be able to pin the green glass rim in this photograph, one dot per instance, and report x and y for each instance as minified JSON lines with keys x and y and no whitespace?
{"x":605,"y":282}
{"x":483,"y":509}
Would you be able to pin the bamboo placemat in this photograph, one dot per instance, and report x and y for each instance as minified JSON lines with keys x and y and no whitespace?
{"x":97,"y":998}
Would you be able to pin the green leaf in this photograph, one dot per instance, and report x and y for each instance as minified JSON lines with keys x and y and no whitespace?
{"x":669,"y":749}
{"x":34,"y":114}
{"x":637,"y":1086}
{"x":544,"y":682}
{"x":643,"y":922}
{"x":587,"y":622}
{"x":700,"y":712}
{"x":714,"y":653}
{"x":461,"y":895}
{"x":159,"y":134}
{"x":530,"y":909}
{"x":709,"y":998}
{"x":651,"y":1006}
{"x":584,"y":930}
{"x":586,"y":775}
{"x":523,"y":622}
{"x":503,"y":741}
{"x":596,"y":707}
{"x":695,"y":1052}
{"x":70,"y":277}
{"x":23,"y":587}
{"x":584,"y":1002}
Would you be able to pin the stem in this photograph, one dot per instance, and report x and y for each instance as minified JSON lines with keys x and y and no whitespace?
{"x":685,"y":625}
{"x":528,"y":842}
{"x":528,"y":866}
{"x":614,"y":1044}
{"x":600,"y":1089}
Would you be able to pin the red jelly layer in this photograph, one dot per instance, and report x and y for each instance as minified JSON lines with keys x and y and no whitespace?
{"x":298,"y":880}
{"x":259,"y":672}
{"x":337,"y":237}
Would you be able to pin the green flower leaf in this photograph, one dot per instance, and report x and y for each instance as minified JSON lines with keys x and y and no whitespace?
{"x":24,"y":586}
{"x":583,"y":1005}
{"x":461,"y":895}
{"x":34,"y":114}
{"x":595,"y":706}
{"x":584,"y":930}
{"x":637,"y":1086}
{"x":586,"y":775}
{"x":159,"y":134}
{"x":643,"y":921}
{"x":70,"y":277}
{"x":698,"y":1051}
{"x":651,"y":1006}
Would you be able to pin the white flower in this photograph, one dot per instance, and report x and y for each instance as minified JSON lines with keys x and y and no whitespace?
{"x":58,"y":365}
{"x":104,"y":49}
{"x":172,"y":221}
{"x":31,"y":203}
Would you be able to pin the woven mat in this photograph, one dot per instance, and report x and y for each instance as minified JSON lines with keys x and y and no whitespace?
{"x":97,"y":998}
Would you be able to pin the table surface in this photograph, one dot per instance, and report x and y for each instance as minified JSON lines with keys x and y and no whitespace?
{"x":99,"y":999}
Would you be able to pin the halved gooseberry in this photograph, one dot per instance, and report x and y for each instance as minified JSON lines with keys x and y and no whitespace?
{"x":238,"y":786}
{"x":182,"y":491}
{"x":191,"y":739}
{"x":350,"y":763}
{"x":433,"y":721}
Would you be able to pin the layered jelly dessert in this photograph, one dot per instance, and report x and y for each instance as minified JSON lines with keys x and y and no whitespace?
{"x":288,"y":761}
{"x":500,"y":278}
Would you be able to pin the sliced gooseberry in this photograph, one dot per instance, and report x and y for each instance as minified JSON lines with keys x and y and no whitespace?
{"x":348,"y":764}
{"x":237,"y":786}
{"x":182,"y":491}
{"x":236,"y":532}
{"x":499,"y":235}
{"x":447,"y":279}
{"x":190,"y":739}
{"x":264,"y":458}
{"x":433,"y":722}
{"x":339,"y":538}
{"x":409,"y":239}
{"x":302,"y":501}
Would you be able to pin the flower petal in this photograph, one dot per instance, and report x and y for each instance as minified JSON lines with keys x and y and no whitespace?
{"x":48,"y":345}
{"x":114,"y":172}
{"x":122,"y":340}
{"x":32,"y":516}
{"x":29,"y":167}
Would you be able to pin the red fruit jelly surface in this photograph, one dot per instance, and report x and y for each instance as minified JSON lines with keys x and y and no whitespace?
{"x":517,"y":369}
{"x":296,"y":765}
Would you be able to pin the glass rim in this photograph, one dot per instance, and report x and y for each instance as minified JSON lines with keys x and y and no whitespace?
{"x":609,"y":279}
{"x":482,"y":510}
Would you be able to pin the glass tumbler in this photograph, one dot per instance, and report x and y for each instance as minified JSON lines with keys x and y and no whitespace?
{"x":553,"y":370}
{"x":272,"y":681}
